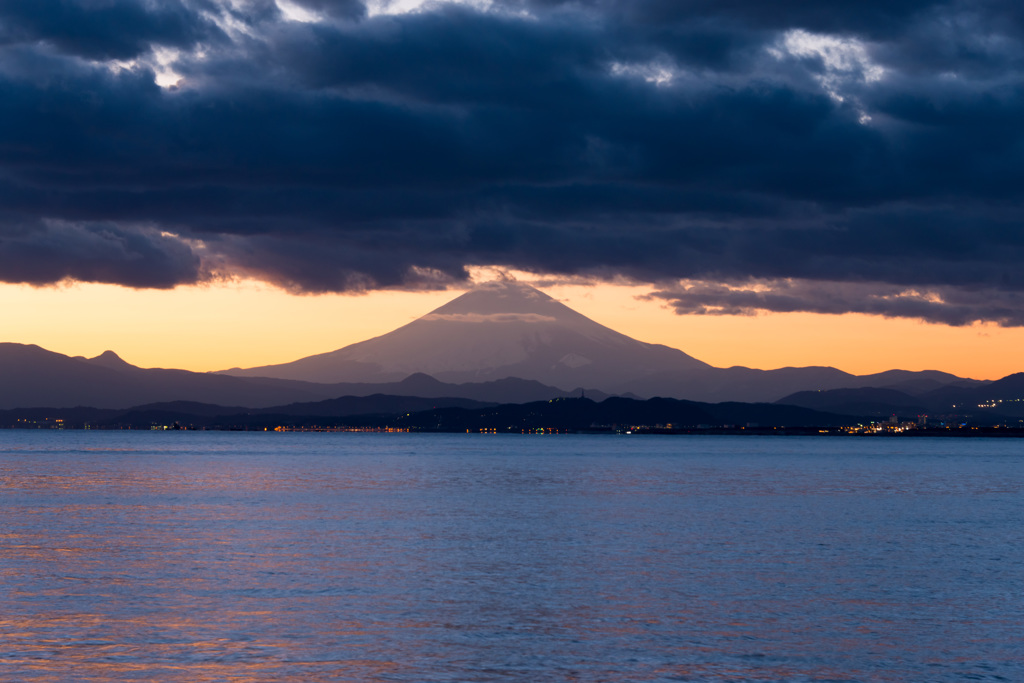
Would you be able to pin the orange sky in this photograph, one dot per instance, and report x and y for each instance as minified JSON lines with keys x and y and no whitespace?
{"x":249,"y":323}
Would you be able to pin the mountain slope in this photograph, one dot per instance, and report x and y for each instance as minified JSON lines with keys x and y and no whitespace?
{"x":498,"y":330}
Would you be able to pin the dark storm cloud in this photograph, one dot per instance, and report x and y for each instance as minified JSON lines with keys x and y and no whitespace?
{"x":55,"y":251}
{"x":833,"y":143}
{"x":870,"y":17}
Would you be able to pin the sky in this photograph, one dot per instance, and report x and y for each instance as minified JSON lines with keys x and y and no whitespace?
{"x":211,"y":183}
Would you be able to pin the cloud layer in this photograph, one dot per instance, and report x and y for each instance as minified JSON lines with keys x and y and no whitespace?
{"x":852,"y":148}
{"x":954,"y":306}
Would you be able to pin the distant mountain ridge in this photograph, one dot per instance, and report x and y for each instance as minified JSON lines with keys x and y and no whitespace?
{"x":501,"y":343}
{"x":31,"y":376}
{"x":509,"y":329}
{"x":1003,"y":398}
{"x":715,"y":385}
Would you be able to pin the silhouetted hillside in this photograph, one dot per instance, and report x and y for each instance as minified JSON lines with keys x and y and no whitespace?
{"x":575,"y":414}
{"x":868,"y":401}
{"x":376,"y":404}
{"x":32,"y":376}
{"x":715,"y":385}
{"x":991,"y":403}
{"x":1004,"y":396}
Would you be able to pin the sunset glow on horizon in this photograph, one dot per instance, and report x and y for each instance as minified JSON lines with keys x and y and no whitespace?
{"x":248,"y":323}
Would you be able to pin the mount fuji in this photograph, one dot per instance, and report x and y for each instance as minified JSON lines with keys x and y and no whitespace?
{"x":498,"y":330}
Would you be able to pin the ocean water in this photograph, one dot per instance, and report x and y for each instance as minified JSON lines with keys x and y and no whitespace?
{"x":154,"y":556}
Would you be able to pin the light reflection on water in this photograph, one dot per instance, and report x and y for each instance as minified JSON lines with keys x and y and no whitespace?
{"x":346,"y":557}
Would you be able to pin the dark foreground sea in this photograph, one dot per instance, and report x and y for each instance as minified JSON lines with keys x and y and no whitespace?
{"x":199,"y":556}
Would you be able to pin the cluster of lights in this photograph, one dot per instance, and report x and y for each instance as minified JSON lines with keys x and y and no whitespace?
{"x":371,"y":430}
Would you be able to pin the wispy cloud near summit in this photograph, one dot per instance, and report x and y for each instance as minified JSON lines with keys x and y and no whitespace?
{"x":490,"y":317}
